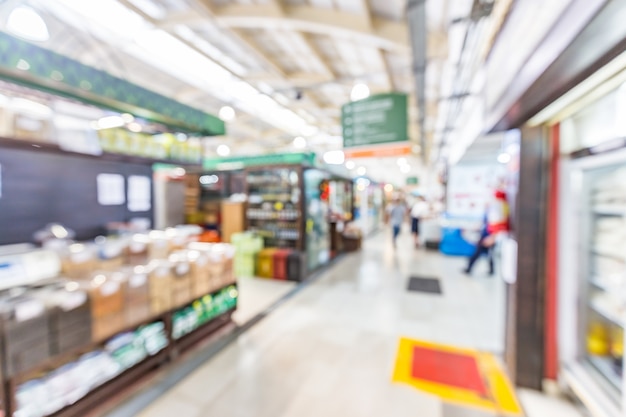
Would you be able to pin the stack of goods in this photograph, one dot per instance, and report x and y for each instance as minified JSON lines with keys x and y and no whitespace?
{"x":202,"y":311}
{"x":163,"y":146}
{"x":280,"y":264}
{"x":69,"y":383}
{"x":247,"y":245}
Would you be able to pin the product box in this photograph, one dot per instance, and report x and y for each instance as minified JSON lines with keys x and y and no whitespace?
{"x":181,"y":279}
{"x":106,"y":291}
{"x":200,"y":273}
{"x":137,"y":249}
{"x":137,"y":302}
{"x":25,"y":333}
{"x":106,"y":326}
{"x":160,"y":285}
{"x":70,"y":322}
{"x":244,"y":265}
{"x":78,"y":261}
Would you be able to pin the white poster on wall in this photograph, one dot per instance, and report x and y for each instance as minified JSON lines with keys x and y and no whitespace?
{"x":111,"y":189}
{"x":139,"y":193}
{"x":470,"y":188}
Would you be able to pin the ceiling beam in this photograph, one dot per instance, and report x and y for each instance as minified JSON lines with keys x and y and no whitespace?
{"x":376,"y":31}
{"x":388,"y":72}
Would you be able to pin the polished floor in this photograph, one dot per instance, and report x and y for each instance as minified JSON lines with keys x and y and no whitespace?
{"x":330,"y":349}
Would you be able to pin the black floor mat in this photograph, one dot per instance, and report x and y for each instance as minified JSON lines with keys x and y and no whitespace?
{"x":427,"y":285}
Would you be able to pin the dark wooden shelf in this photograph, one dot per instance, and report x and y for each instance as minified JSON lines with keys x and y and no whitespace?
{"x":49,"y":147}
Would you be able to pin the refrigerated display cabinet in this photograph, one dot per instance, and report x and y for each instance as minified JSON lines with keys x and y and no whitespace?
{"x":593,"y":280}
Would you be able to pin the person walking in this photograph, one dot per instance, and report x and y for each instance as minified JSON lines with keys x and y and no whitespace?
{"x":396,"y":213}
{"x":418,"y":212}
{"x":484,"y":247}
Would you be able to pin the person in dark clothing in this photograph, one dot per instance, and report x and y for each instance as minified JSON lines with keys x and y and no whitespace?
{"x":483,"y":247}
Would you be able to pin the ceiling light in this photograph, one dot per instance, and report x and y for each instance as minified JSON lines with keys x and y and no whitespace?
{"x":334,"y":157}
{"x":28,"y":24}
{"x":350,"y":164}
{"x":361,"y":171}
{"x":401,"y":161}
{"x":134,"y":127}
{"x":128,"y":118}
{"x":23,"y":65}
{"x":405,"y":169}
{"x":388,"y":188}
{"x":110,"y":122}
{"x":299,"y":142}
{"x":209,"y":179}
{"x":359,"y":92}
{"x":223,"y":150}
{"x":227,"y":114}
{"x":504,"y":158}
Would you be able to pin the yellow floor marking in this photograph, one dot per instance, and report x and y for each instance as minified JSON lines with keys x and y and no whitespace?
{"x":501,"y":394}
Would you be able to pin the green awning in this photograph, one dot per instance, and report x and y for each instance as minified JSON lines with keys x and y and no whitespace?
{"x":63,"y":76}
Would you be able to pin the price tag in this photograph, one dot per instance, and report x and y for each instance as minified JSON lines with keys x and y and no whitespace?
{"x":138,"y":280}
{"x":109,"y":288}
{"x":73,"y":300}
{"x":28,"y":310}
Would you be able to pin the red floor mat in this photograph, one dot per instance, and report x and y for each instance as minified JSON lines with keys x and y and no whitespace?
{"x":452,"y":369}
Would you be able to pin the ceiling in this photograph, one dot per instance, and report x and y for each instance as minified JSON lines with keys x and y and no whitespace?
{"x":285,"y":66}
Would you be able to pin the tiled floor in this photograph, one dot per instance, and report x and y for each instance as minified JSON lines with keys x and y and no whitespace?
{"x":330,"y":350}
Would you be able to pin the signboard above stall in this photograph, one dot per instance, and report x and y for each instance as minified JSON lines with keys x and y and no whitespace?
{"x":379,"y":119}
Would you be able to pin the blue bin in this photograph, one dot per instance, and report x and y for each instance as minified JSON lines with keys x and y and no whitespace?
{"x":453,"y":243}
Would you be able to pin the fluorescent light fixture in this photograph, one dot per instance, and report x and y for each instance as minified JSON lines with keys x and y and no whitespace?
{"x":359,"y":92}
{"x":299,"y":142}
{"x":361,"y":171}
{"x":28,"y":24}
{"x":350,"y":164}
{"x":23,"y":65}
{"x":504,"y":158}
{"x":401,"y":161}
{"x":334,"y":157}
{"x":128,"y":118}
{"x":179,"y":172}
{"x":209,"y":179}
{"x":223,"y":150}
{"x":388,"y":188}
{"x":227,"y":114}
{"x":405,"y":169}
{"x":110,"y":122}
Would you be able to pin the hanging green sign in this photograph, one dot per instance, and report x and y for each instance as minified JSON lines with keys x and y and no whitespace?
{"x":239,"y":162}
{"x":382,"y":118}
{"x":40,"y":68}
{"x":412,"y":181}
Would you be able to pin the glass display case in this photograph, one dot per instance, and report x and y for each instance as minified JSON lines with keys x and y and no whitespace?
{"x":317,"y":226}
{"x":604,"y":272}
{"x":274,"y":205}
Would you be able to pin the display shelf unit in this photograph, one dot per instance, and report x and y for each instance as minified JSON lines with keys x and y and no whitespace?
{"x":126,"y":378}
{"x":276,"y":205}
{"x":607,"y":368}
{"x":609,"y":210}
{"x":599,"y":284}
{"x":610,"y":315}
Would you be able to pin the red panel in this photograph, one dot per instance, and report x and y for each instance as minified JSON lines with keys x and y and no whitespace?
{"x":551,"y":344}
{"x":452,"y":369}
